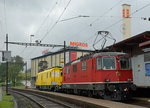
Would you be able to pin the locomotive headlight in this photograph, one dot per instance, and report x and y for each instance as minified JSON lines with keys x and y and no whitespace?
{"x":107,"y":80}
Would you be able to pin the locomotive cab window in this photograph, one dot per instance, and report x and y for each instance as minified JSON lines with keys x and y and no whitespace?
{"x":125,"y":63}
{"x":67,"y":70}
{"x":109,"y":63}
{"x":83,"y":66}
{"x":75,"y":68}
{"x":98,"y":63}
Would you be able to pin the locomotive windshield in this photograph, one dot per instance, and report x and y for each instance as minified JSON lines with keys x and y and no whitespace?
{"x":109,"y":63}
{"x":125,"y":63}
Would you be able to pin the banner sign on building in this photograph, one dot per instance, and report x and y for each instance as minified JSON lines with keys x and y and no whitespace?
{"x":78,"y":44}
{"x":73,"y":55}
{"x":45,"y":51}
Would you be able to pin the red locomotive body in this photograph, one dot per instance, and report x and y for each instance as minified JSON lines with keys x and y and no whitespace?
{"x":104,"y":74}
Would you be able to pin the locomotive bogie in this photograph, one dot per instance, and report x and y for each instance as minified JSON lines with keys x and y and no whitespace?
{"x":109,"y":91}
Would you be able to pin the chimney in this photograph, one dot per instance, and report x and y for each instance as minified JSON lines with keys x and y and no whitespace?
{"x":126,"y":21}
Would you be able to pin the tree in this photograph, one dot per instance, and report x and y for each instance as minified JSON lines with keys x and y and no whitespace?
{"x":2,"y":72}
{"x":14,"y":68}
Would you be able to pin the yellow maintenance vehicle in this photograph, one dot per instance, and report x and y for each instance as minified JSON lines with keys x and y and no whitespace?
{"x":49,"y":79}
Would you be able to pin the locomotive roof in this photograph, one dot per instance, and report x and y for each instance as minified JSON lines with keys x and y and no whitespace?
{"x":53,"y":67}
{"x":109,"y":54}
{"x":98,"y":54}
{"x":50,"y":68}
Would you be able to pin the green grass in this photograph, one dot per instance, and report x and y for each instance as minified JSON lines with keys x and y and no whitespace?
{"x":7,"y":102}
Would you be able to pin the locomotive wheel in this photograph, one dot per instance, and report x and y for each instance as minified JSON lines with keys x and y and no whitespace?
{"x":101,"y":94}
{"x":90,"y":94}
{"x":67,"y":91}
{"x":55,"y":89}
{"x":79,"y":92}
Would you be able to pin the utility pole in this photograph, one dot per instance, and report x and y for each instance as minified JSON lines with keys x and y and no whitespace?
{"x":31,"y":38}
{"x":64,"y":53}
{"x":7,"y":65}
{"x":26,"y":76}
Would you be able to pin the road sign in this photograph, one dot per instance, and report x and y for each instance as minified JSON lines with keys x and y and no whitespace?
{"x":6,"y":56}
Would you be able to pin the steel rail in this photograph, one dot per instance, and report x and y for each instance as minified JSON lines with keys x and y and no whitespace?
{"x":36,"y":102}
{"x":47,"y":98}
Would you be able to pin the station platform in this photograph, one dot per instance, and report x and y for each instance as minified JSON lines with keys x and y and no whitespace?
{"x":86,"y":102}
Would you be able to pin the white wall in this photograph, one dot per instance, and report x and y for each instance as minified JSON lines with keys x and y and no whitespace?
{"x":139,"y":72}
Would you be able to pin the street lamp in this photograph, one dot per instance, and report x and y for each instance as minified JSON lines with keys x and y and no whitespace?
{"x":31,"y":38}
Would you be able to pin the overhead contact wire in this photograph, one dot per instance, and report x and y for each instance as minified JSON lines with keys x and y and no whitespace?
{"x":122,"y":18}
{"x":56,"y":21}
{"x":46,"y":17}
{"x":106,"y":11}
{"x":102,"y":16}
{"x":42,"y":23}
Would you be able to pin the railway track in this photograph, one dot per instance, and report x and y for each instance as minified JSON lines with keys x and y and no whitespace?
{"x":74,"y":101}
{"x":43,"y":101}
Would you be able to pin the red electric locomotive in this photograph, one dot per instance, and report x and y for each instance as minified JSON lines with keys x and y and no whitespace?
{"x":104,"y":74}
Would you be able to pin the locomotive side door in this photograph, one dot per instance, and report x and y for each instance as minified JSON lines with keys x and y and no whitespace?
{"x":53,"y":77}
{"x":86,"y":71}
{"x":93,"y":70}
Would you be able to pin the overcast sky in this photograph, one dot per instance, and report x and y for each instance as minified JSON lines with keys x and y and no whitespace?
{"x":22,"y":18}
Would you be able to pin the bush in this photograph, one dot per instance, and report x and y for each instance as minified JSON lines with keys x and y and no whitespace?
{"x":19,"y":84}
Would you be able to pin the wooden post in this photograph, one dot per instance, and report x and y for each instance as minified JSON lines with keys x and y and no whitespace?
{"x":7,"y":65}
{"x":26,"y":76}
{"x":64,"y":53}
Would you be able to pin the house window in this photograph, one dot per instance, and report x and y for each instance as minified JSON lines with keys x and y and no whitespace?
{"x":83,"y":66}
{"x":99,"y":63}
{"x":67,"y":70}
{"x":75,"y":68}
{"x":146,"y":56}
